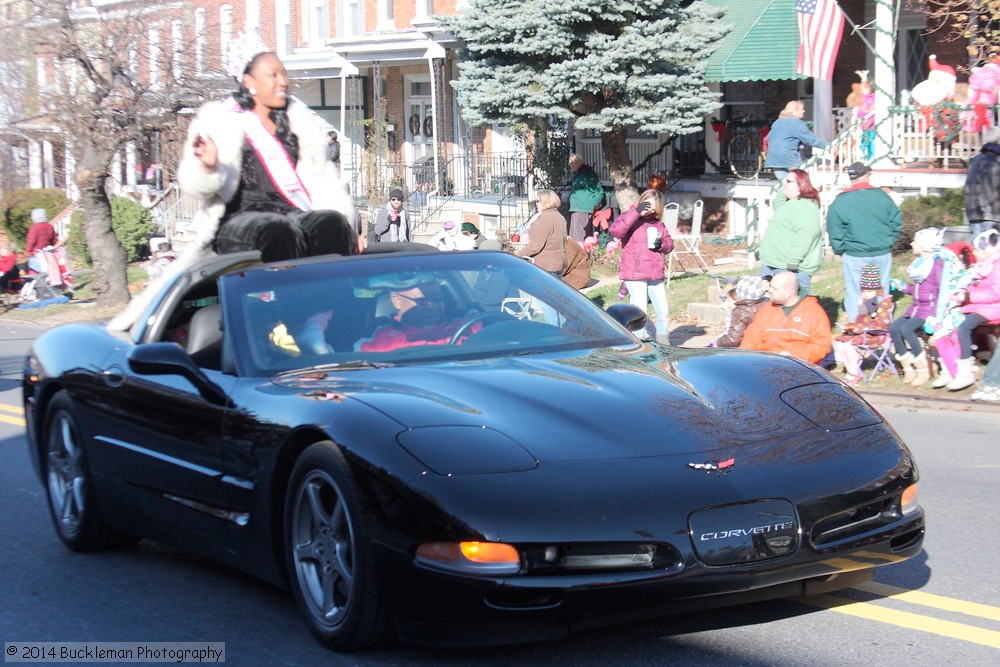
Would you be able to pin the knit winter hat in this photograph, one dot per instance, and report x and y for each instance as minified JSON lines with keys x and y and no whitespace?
{"x":396,"y":193}
{"x":870,"y":278}
{"x":750,"y":288}
{"x":39,"y":215}
{"x":988,"y":241}
{"x":930,"y":238}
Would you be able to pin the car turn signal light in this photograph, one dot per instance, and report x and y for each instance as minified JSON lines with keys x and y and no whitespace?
{"x":470,"y":557}
{"x":908,"y":502}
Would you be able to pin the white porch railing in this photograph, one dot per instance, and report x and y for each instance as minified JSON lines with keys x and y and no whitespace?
{"x":639,"y":149}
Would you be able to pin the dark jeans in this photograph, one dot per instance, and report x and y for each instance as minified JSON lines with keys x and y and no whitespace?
{"x":280,"y":236}
{"x":971,"y":321}
{"x":903,"y":332}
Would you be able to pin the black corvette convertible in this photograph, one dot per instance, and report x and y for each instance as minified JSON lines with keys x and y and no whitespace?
{"x":459,"y":448}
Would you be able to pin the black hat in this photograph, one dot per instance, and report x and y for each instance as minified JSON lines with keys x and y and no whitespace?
{"x":396,"y":193}
{"x":857,"y":170}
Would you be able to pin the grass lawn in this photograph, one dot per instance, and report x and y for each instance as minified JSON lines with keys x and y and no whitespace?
{"x":83,"y":294}
{"x":827,"y":286}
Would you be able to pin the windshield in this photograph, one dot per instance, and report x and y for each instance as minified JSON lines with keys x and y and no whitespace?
{"x":365,"y":312}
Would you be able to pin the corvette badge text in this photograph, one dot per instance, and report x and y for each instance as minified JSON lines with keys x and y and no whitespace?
{"x":745,"y":532}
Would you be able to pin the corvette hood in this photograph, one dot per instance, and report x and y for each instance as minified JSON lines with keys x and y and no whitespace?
{"x":595,"y":404}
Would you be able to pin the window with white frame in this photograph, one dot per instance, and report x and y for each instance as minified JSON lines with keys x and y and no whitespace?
{"x":424,"y":8}
{"x":386,"y":19}
{"x":225,"y":30}
{"x":315,"y":18}
{"x":350,"y":18}
{"x":321,"y":13}
{"x":177,"y":43}
{"x":154,"y":54}
{"x":200,"y":34}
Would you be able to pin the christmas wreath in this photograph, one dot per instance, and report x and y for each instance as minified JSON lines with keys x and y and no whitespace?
{"x":415,"y":125}
{"x":945,"y":121}
{"x":428,"y":126}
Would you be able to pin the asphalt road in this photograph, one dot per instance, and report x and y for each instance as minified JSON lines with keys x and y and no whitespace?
{"x":941,"y":608}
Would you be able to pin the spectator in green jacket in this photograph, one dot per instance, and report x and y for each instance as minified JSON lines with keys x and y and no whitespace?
{"x":585,"y":197}
{"x":793,"y":240}
{"x":863,"y":224}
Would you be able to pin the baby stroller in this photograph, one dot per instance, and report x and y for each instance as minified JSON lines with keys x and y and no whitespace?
{"x":47,"y":286}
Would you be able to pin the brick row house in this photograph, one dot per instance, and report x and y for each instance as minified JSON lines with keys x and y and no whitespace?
{"x":380,"y":72}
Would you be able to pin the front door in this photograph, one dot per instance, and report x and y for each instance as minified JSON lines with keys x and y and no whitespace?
{"x":419,"y":118}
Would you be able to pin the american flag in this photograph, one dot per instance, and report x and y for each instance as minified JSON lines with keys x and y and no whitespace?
{"x":821,"y":24}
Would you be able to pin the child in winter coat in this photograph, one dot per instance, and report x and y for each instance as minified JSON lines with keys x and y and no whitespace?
{"x":925,"y":272}
{"x":869,"y":327}
{"x":645,"y":240}
{"x":746,"y":296}
{"x":980,"y":302}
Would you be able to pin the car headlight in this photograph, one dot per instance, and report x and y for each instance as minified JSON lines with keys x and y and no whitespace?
{"x":832,"y":407}
{"x":466,"y":450}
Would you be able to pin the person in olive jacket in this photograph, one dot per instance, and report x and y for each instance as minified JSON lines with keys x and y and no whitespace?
{"x":793,"y":240}
{"x":645,"y":240}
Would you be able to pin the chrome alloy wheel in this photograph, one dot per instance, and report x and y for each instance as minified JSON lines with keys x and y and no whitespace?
{"x":66,"y":476}
{"x":323,"y":547}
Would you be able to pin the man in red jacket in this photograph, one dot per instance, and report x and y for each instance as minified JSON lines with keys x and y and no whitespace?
{"x":790,"y":325}
{"x":41,"y":235}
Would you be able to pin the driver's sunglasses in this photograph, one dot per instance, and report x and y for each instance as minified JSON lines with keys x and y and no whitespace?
{"x":427,"y":298}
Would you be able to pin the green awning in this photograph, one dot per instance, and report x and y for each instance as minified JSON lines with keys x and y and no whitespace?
{"x":763,"y":44}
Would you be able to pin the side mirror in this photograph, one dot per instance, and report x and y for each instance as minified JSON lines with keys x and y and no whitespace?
{"x":631,"y":317}
{"x":171,"y":359}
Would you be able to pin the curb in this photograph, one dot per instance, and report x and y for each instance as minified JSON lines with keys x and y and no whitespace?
{"x":886,"y":399}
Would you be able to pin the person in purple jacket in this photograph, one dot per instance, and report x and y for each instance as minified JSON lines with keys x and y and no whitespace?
{"x":645,"y":240}
{"x":925,"y":272}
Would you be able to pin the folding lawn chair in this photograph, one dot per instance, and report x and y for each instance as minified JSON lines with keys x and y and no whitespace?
{"x":876,"y":346}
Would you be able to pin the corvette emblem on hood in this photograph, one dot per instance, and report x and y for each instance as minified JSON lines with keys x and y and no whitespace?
{"x":719,"y":467}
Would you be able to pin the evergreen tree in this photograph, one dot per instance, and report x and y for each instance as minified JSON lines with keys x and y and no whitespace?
{"x":610,"y":64}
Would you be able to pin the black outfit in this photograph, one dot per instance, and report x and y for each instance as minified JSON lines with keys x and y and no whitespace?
{"x":259,"y":217}
{"x":982,"y":185}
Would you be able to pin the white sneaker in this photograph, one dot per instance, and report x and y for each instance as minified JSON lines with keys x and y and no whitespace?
{"x":986,"y":394}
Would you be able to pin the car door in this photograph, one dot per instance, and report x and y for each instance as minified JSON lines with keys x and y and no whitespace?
{"x":158,"y":442}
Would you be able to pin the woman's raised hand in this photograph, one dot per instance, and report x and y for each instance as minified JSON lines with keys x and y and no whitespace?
{"x":206,"y":151}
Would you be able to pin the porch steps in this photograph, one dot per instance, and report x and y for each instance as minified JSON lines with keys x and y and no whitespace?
{"x":710,"y":310}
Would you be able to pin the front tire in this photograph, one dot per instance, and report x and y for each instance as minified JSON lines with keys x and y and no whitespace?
{"x":71,"y":497}
{"x":329,"y":554}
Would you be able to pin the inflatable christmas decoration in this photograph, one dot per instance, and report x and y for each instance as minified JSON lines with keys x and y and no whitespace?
{"x":984,"y":82}
{"x":940,"y":113}
{"x":939,"y":86}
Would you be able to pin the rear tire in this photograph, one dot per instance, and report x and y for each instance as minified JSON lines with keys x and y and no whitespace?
{"x":71,"y":498}
{"x":329,"y":554}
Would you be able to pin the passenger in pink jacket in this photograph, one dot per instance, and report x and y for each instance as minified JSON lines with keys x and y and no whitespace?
{"x":645,"y":240}
{"x":981,"y":304}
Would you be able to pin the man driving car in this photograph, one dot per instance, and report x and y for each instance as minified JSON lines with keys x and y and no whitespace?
{"x":419,"y":319}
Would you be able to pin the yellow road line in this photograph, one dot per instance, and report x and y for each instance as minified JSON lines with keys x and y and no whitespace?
{"x":931,"y":600}
{"x":16,"y":421}
{"x":11,"y":408}
{"x":904,"y":619}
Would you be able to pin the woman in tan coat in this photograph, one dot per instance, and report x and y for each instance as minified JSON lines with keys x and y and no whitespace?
{"x":546,"y":245}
